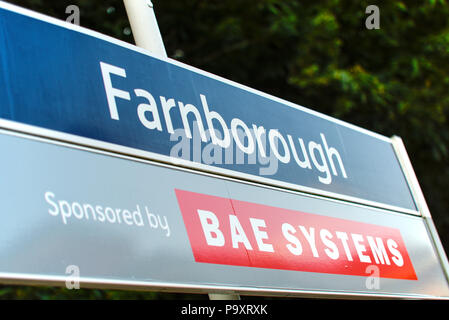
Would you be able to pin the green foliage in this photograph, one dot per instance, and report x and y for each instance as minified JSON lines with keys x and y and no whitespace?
{"x":56,"y":293}
{"x":319,"y":54}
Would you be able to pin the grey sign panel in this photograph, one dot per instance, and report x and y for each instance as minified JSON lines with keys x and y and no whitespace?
{"x":126,"y":223}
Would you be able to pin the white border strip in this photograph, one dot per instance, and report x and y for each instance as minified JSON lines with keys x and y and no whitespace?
{"x":184,"y":169}
{"x":11,"y":125}
{"x":410,"y":176}
{"x":137,"y":153}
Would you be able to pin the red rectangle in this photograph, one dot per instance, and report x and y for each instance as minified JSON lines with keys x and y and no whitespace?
{"x":240,"y":233}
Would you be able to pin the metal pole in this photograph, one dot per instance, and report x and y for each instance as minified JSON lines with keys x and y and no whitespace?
{"x":148,"y":36}
{"x":144,"y":26}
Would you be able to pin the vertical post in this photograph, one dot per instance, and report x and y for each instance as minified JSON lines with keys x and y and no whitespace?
{"x":148,"y":36}
{"x":144,"y":26}
{"x":418,"y":196}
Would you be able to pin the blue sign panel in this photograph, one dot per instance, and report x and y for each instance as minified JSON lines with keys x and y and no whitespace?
{"x":62,"y":77}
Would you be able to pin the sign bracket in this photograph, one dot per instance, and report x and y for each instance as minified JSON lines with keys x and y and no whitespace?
{"x":418,"y":196}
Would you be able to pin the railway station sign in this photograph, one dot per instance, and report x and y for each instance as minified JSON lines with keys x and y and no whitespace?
{"x":124,"y":167}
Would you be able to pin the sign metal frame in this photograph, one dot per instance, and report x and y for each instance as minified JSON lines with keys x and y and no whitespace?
{"x":420,"y":201}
